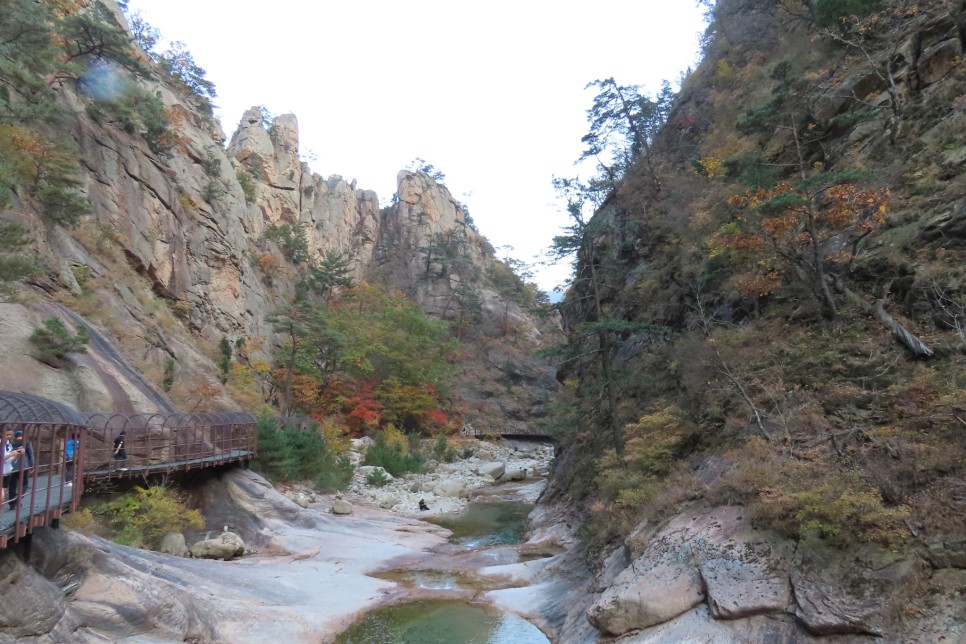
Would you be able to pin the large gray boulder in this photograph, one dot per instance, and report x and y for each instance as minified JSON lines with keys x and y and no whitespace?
{"x":451,"y":488}
{"x":341,"y":506}
{"x":227,"y":545}
{"x":28,"y":605}
{"x":739,"y":588}
{"x":827,"y":609}
{"x":495,"y":469}
{"x":174,"y":543}
{"x":653,"y":589}
{"x":715,"y":556}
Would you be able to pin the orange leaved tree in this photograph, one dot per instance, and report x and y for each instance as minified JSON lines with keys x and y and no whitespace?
{"x":812,"y":232}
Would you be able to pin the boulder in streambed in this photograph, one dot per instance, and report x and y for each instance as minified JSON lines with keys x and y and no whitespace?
{"x":173,"y":543}
{"x":227,"y":545}
{"x":450,"y":487}
{"x":341,"y":506}
{"x":494,"y":470}
{"x":650,"y":591}
{"x":365,"y":471}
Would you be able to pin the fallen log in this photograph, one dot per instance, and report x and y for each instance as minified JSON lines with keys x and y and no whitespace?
{"x":877,"y":310}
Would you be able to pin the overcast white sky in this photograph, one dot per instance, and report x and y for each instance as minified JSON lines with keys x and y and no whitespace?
{"x":491,"y":93}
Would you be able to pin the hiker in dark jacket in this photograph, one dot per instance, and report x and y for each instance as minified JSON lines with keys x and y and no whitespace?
{"x":120,"y":454}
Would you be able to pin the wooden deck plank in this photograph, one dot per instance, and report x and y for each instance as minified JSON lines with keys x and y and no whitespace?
{"x":36,"y":502}
{"x":134,"y":469}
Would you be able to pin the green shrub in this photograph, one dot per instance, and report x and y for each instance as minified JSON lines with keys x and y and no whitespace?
{"x":14,"y":238}
{"x":394,"y":457}
{"x":798,"y":499}
{"x":211,"y":192}
{"x":293,"y":240}
{"x":80,"y":521}
{"x":246,"y":185}
{"x":439,"y":448}
{"x":442,"y":450}
{"x":211,"y":163}
{"x":168,"y":381}
{"x":54,"y":342}
{"x":377,"y":478}
{"x":224,"y":361}
{"x":144,"y":515}
{"x":831,"y":12}
{"x":293,"y":454}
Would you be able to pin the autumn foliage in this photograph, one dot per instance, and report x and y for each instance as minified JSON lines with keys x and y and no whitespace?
{"x":783,"y":231}
{"x":366,"y":359}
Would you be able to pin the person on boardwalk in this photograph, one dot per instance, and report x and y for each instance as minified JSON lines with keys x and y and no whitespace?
{"x":10,"y":477}
{"x":70,"y":450}
{"x":120,"y":454}
{"x":26,"y":460}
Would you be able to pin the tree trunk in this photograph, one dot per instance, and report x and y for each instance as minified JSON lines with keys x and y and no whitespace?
{"x":604,"y":341}
{"x":917,"y":347}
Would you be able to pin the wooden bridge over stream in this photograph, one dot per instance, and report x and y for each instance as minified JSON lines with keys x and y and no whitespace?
{"x":37,"y":493}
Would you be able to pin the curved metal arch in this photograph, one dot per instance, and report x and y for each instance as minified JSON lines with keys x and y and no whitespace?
{"x":124,"y":421}
{"x":159,"y":421}
{"x":222,"y":418}
{"x":183,"y":420}
{"x":25,"y":408}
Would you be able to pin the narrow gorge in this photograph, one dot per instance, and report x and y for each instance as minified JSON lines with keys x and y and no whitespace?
{"x":743,"y":421}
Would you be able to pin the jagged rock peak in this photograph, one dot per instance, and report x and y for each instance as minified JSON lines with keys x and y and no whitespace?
{"x":272,"y":153}
{"x":423,"y":198}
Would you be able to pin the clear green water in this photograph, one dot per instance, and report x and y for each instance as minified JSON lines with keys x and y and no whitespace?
{"x":488,"y":527}
{"x":441,"y":622}
{"x":488,"y":524}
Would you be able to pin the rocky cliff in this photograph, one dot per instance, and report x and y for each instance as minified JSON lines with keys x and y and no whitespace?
{"x":777,"y":382}
{"x":177,"y":251}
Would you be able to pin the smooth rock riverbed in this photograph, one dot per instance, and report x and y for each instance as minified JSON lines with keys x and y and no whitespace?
{"x":311,"y":575}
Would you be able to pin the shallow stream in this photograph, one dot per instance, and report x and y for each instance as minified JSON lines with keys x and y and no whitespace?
{"x":439,"y":600}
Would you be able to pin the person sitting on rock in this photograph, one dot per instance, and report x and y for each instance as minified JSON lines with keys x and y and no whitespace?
{"x":422,"y":504}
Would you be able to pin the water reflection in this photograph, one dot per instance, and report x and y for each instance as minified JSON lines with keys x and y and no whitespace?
{"x":430,"y":579}
{"x":441,"y":622}
{"x":484,"y":534}
{"x":483,"y":525}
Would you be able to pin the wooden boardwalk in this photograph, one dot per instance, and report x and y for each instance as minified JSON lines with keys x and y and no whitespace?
{"x":167,"y":467}
{"x":43,"y":502}
{"x":155,"y":444}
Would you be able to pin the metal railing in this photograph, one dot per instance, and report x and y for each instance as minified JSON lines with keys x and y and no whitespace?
{"x":36,"y":493}
{"x":166,"y":442}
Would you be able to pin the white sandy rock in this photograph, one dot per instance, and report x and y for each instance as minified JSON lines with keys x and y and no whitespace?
{"x":227,"y":545}
{"x":341,"y":506}
{"x":173,"y":543}
{"x":494,"y":470}
{"x":367,"y":470}
{"x":451,"y":487}
{"x":648,"y":593}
